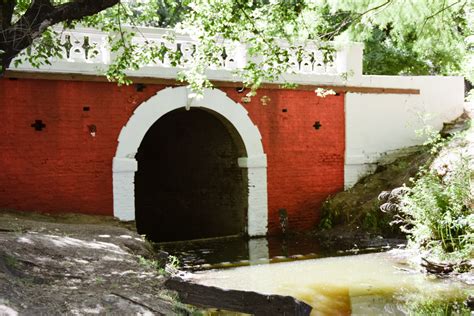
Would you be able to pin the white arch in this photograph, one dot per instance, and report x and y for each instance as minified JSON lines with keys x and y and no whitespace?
{"x":167,"y":100}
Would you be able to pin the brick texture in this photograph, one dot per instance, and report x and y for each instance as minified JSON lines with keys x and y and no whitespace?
{"x":63,"y":168}
{"x":305,"y":165}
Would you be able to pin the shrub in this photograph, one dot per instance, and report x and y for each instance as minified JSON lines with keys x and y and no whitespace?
{"x":436,"y":213}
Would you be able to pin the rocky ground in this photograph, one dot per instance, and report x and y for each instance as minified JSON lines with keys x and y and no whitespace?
{"x":78,"y":265}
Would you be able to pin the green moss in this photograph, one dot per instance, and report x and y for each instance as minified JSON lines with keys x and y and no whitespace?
{"x":359,"y":206}
{"x":11,"y":262}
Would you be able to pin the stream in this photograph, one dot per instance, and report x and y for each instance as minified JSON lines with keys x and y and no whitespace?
{"x":372,"y":280}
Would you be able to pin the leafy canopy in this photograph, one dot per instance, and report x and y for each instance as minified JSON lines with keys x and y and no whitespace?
{"x":401,"y":36}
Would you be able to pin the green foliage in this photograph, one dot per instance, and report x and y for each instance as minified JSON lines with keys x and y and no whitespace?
{"x":401,"y":36}
{"x":173,"y":261}
{"x":42,"y":50}
{"x":373,"y":221}
{"x":326,"y":221}
{"x":412,"y":37}
{"x":384,"y":57}
{"x":11,"y":261}
{"x":149,"y":263}
{"x":436,"y":214}
{"x":435,"y":307}
{"x":363,"y":215}
{"x":167,"y":268}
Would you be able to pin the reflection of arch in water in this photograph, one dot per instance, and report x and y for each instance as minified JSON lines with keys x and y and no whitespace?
{"x":167,"y":100}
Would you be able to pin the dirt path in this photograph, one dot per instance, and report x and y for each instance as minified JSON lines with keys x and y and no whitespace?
{"x":77,"y":265}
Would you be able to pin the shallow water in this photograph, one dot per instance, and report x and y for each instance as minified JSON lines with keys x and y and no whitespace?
{"x":368,"y":284}
{"x":237,"y":251}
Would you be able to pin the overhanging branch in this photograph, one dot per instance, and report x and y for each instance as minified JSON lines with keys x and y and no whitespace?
{"x":40,"y":15}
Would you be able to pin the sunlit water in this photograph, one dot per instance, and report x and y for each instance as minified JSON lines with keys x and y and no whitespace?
{"x":329,"y":278}
{"x":368,"y":284}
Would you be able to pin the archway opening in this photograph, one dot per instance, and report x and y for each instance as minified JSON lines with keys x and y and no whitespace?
{"x":188,"y":184}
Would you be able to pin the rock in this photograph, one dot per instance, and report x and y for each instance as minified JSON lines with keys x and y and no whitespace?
{"x":235,"y":300}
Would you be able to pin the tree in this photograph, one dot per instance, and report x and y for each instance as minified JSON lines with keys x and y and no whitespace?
{"x":406,"y":36}
{"x":22,"y":22}
{"x":414,"y":37}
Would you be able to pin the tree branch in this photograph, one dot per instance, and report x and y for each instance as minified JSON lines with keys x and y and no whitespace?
{"x":40,"y":15}
{"x":6,"y":12}
{"x":351,"y":19}
{"x":78,"y":9}
{"x":444,"y":8}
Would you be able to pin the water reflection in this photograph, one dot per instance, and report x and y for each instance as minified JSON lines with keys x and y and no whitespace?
{"x":331,"y":279}
{"x":369,"y":284}
{"x":236,"y":251}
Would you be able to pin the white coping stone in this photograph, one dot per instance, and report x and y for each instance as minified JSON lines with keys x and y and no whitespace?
{"x":253,"y":162}
{"x":258,"y":250}
{"x":124,"y":165}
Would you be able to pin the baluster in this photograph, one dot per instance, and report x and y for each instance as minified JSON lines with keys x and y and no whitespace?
{"x":307,"y":62}
{"x":86,"y":47}
{"x":293,"y":60}
{"x":330,"y":63}
{"x":67,"y":45}
{"x":91,"y":47}
{"x":231,"y":60}
{"x":95,"y":54}
{"x":223,"y":58}
{"x":187,"y":49}
{"x":331,"y":67}
{"x":319,"y":66}
{"x":170,"y":50}
{"x":77,"y":52}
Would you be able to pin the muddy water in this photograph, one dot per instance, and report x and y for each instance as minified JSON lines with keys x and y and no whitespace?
{"x":368,"y":284}
{"x":237,"y":251}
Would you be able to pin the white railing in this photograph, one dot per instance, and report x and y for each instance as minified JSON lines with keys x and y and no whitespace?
{"x":85,"y":49}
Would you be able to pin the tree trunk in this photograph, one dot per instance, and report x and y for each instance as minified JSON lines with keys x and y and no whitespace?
{"x":40,"y":15}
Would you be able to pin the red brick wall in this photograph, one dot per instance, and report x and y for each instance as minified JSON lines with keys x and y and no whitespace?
{"x":64,"y":169}
{"x":305,"y":165}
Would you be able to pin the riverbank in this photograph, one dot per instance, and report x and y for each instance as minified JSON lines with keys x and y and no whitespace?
{"x":78,"y":264}
{"x":356,"y":213}
{"x":81,"y":265}
{"x":428,"y":194}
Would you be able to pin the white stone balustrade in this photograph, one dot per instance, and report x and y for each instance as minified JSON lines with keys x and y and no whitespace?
{"x":87,"y":46}
{"x":87,"y":50}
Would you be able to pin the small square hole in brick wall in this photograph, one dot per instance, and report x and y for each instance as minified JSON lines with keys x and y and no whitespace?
{"x":86,"y":108}
{"x":38,"y":125}
{"x":284,"y":110}
{"x":139,"y":87}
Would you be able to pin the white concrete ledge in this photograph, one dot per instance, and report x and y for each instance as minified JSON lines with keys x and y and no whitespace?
{"x":378,"y":125}
{"x":124,"y":165}
{"x":253,"y":162}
